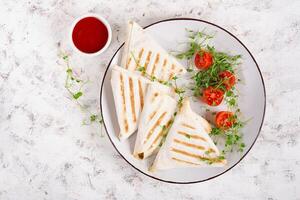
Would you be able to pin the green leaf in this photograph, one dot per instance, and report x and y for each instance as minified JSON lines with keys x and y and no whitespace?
{"x":221,"y":157}
{"x":189,"y":69}
{"x":232,"y":102}
{"x":141,"y":69}
{"x":93,"y":118}
{"x":216,"y":131}
{"x":69,"y":70}
{"x":153,"y":78}
{"x":179,"y":90}
{"x":77,"y":95}
{"x":241,"y":147}
{"x":167,"y":83}
{"x":162,"y":140}
{"x":229,"y":93}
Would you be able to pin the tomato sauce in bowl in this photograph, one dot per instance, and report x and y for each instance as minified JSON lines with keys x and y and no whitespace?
{"x":91,"y":34}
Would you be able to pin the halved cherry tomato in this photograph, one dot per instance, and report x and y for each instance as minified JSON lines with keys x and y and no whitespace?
{"x":228,"y":79}
{"x":203,"y":60}
{"x":224,"y":119}
{"x":212,"y":96}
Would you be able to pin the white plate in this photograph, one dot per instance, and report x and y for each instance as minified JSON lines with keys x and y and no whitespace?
{"x":252,"y":101}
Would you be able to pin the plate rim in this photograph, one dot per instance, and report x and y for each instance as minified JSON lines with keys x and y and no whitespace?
{"x":262,"y":121}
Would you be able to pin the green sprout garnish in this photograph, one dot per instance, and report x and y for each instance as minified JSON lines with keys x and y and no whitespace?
{"x":198,"y":42}
{"x":74,"y":85}
{"x":232,"y":135}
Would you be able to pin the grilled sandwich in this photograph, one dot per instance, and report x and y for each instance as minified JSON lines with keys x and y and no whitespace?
{"x":155,"y":119}
{"x":129,"y":94}
{"x":188,"y":143}
{"x":143,"y":53}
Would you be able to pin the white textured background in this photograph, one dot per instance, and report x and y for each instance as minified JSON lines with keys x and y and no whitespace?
{"x":45,"y":152}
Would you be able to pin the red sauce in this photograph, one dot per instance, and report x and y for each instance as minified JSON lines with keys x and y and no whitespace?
{"x":90,"y":35}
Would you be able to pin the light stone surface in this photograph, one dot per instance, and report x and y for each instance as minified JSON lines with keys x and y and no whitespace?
{"x":46,"y":152}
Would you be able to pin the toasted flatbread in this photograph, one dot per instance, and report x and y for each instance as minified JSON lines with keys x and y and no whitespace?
{"x":188,"y":143}
{"x":129,"y":93}
{"x":155,"y":119}
{"x":141,"y":50}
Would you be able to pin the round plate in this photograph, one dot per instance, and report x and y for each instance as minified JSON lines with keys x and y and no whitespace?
{"x":252,"y":101}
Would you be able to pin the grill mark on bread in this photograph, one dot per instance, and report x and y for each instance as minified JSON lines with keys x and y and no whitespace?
{"x":148,"y":59}
{"x":165,"y":63}
{"x":191,"y":136}
{"x":141,"y":94}
{"x":131,"y":90}
{"x":163,"y":67}
{"x":188,"y":126}
{"x":128,"y":63}
{"x":161,"y":133}
{"x":172,"y":72}
{"x":124,"y":102}
{"x":211,"y":150}
{"x":189,"y":144}
{"x":152,"y":115}
{"x":214,"y":160}
{"x":155,"y":63}
{"x":155,"y":125}
{"x":139,"y":57}
{"x":171,"y":76}
{"x":184,"y":161}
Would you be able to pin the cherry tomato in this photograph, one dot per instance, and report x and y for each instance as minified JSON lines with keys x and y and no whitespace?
{"x":228,"y":79}
{"x":224,"y":119}
{"x":212,"y":96}
{"x":203,"y":60}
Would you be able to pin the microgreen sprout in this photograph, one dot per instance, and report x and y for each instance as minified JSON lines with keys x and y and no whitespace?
{"x":198,"y":42}
{"x":74,"y":85}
